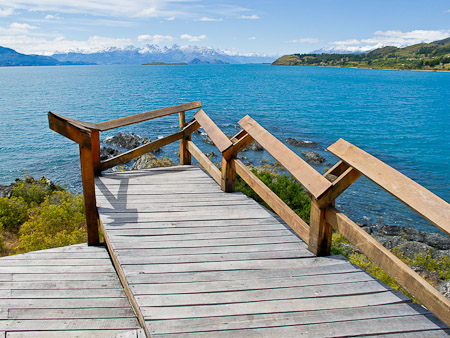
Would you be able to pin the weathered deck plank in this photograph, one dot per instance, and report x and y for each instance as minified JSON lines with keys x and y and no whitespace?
{"x":199,"y":262}
{"x":65,"y":292}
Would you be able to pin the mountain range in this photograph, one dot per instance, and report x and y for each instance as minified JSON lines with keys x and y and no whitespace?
{"x":132,"y":55}
{"x":423,"y":56}
{"x":10,"y":58}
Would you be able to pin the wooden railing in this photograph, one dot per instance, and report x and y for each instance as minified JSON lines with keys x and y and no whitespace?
{"x":323,"y":190}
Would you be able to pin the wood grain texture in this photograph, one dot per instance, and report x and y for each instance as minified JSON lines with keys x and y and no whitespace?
{"x":201,"y":262}
{"x":300,"y":227}
{"x":221,"y":141}
{"x":72,"y":131}
{"x":314,"y":182}
{"x":50,"y":292}
{"x":402,"y":273}
{"x":125,"y":121}
{"x":421,"y":200}
{"x":204,"y":161}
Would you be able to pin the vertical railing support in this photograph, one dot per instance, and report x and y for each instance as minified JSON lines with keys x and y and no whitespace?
{"x":185,"y":155}
{"x":90,"y":204}
{"x":228,"y":181}
{"x":320,"y":231}
{"x":95,"y":148}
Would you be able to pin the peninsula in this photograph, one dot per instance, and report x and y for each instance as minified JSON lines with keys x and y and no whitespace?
{"x":422,"y":56}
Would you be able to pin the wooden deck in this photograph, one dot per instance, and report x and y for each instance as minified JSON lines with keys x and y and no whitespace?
{"x":65,"y":292}
{"x":198,"y":262}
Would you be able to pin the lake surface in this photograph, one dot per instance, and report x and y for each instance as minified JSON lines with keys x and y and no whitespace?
{"x":401,"y":117}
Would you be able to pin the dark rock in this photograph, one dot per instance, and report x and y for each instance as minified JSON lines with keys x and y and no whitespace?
{"x":148,"y":161}
{"x":210,"y":155}
{"x":444,"y":288}
{"x":254,"y":146}
{"x":126,"y":140}
{"x":197,"y":132}
{"x":243,"y":158}
{"x":312,"y":157}
{"x":207,"y":140}
{"x":108,"y":152}
{"x":431,"y":276}
{"x":301,"y":143}
{"x":437,"y":241}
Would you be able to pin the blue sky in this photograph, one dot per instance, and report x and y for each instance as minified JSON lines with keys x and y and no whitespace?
{"x":244,"y":27}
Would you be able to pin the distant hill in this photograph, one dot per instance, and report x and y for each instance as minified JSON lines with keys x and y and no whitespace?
{"x":207,"y":62}
{"x":154,"y":53}
{"x":10,"y":58}
{"x":426,"y":56}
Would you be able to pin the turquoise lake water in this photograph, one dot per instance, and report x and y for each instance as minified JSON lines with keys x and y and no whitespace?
{"x":401,"y":117}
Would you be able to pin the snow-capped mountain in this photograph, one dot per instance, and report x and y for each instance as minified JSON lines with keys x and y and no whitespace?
{"x":154,"y":53}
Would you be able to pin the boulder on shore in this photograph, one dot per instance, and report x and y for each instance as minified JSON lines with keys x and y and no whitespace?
{"x":312,"y":157}
{"x":301,"y":143}
{"x":126,"y":140}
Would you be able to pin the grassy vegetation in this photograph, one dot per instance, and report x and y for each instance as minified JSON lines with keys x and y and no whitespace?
{"x":424,"y":56}
{"x":40,"y":215}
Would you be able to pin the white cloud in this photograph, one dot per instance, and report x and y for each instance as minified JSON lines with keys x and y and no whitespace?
{"x":192,"y":38}
{"x":52,"y":17}
{"x":447,"y":11}
{"x":16,"y":28}
{"x":132,"y":8}
{"x":170,"y":18}
{"x":249,"y":17}
{"x":4,"y":12}
{"x":205,"y":18}
{"x":155,"y":39}
{"x":305,"y":40}
{"x":252,"y":38}
{"x":28,"y":44}
{"x":389,"y":38}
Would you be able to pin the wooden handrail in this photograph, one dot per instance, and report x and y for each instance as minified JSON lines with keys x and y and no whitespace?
{"x":421,"y":200}
{"x":141,"y":150}
{"x":204,"y":161}
{"x":314,"y":182}
{"x":217,"y":136}
{"x":70,"y":129}
{"x":300,"y":227}
{"x":402,"y":273}
{"x":127,"y":120}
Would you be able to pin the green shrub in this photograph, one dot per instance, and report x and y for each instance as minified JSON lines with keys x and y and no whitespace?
{"x":284,"y":186}
{"x":58,"y":221}
{"x":441,"y":264}
{"x":13,"y":212}
{"x":32,"y":191}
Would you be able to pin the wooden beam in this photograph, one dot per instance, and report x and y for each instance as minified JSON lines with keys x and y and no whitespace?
{"x":240,"y":142}
{"x":421,"y":200}
{"x":228,"y":177}
{"x":300,"y":227}
{"x":319,"y":231}
{"x":141,"y":150}
{"x":314,"y":182}
{"x":190,"y":127}
{"x":346,"y":179}
{"x":205,"y":162}
{"x":403,"y":274}
{"x":127,"y":120}
{"x":95,"y":148}
{"x":217,"y":136}
{"x":185,"y":155}
{"x":90,"y":203}
{"x":336,"y":170}
{"x":63,"y":126}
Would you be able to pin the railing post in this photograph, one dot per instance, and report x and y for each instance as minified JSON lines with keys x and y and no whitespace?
{"x":320,"y":231}
{"x":95,"y":148}
{"x":185,"y":155}
{"x":90,"y":205}
{"x":228,"y":181}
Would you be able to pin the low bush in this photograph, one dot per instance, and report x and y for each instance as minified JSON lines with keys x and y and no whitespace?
{"x":58,"y":221}
{"x":286,"y":187}
{"x":13,"y":212}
